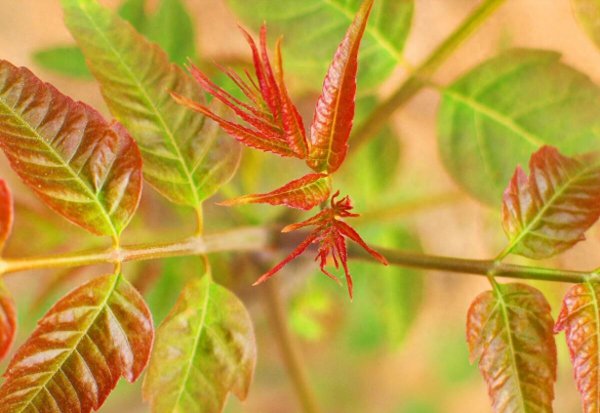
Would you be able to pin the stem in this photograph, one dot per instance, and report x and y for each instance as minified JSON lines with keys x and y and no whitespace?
{"x":475,"y":267}
{"x":247,"y":239}
{"x":289,"y":350}
{"x":420,"y":77}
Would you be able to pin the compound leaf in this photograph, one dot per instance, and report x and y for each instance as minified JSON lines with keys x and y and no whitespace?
{"x":580,"y":318}
{"x":496,"y":115}
{"x":86,"y":169}
{"x":303,"y":193}
{"x":100,"y":331}
{"x":310,"y":42}
{"x":185,"y":157}
{"x":172,"y":28}
{"x":334,"y":113}
{"x":549,"y":212}
{"x":510,"y":331}
{"x":204,"y":349}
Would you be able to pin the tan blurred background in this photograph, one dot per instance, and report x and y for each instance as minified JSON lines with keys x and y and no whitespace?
{"x":463,"y":228}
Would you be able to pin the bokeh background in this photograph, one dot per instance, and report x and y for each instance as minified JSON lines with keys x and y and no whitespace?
{"x":351,"y":367}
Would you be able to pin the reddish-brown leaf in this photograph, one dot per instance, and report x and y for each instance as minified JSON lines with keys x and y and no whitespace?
{"x":6,"y":213}
{"x":510,"y":331}
{"x":580,"y":319}
{"x":72,"y":361}
{"x":273,"y":122}
{"x":549,"y":212}
{"x":334,"y":113}
{"x":8,"y":321}
{"x":86,"y":169}
{"x":331,"y":234}
{"x":303,"y":193}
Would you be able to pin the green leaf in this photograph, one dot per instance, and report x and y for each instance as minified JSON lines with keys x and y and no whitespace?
{"x":100,"y":331}
{"x":64,"y":60}
{"x":185,"y":157}
{"x":580,"y":318}
{"x":86,"y":169}
{"x":496,"y":115}
{"x":510,"y":331}
{"x":550,"y":211}
{"x":173,"y":29}
{"x":313,"y":29}
{"x":587,"y":13}
{"x":204,"y":349}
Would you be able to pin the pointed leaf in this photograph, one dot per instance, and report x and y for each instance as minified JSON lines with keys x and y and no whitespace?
{"x":303,"y":193}
{"x":204,"y":349}
{"x":6,"y":213}
{"x":185,"y":157}
{"x":495,"y":116}
{"x":313,"y":28}
{"x":72,"y":361}
{"x":588,"y":14}
{"x":580,"y":319}
{"x":510,"y":331}
{"x":81,"y":166}
{"x":549,"y":212}
{"x":334,"y":113}
{"x":8,"y":320}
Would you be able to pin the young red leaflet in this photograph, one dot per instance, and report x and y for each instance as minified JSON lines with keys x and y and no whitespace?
{"x":334,"y":113}
{"x":331,"y":234}
{"x":273,"y":122}
{"x":6,"y":212}
{"x":304,"y":193}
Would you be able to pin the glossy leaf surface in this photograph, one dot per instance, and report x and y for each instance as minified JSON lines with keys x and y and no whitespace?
{"x":86,"y":169}
{"x":185,"y":157}
{"x":580,"y":319}
{"x":6,"y":213}
{"x":313,"y":28}
{"x":100,"y":331}
{"x":495,"y":116}
{"x":204,"y":349}
{"x":549,"y":212}
{"x":303,"y":193}
{"x":334,"y":113}
{"x":510,"y":331}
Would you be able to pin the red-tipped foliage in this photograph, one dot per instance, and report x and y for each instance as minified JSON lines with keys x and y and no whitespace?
{"x":331,"y":233}
{"x":6,"y":213}
{"x":334,"y":113}
{"x":271,"y":121}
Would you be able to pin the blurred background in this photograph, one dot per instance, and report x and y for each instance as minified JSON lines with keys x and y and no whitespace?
{"x":399,"y":347}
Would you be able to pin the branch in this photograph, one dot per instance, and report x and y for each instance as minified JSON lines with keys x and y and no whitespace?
{"x":475,"y":267}
{"x":244,"y":239}
{"x":421,"y":76}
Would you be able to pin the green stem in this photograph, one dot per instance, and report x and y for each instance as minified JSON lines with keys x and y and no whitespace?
{"x":474,"y":267}
{"x":420,"y":77}
{"x":289,"y":350}
{"x":244,"y":239}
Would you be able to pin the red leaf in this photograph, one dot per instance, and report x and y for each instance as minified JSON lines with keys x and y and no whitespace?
{"x":510,"y":331}
{"x":304,"y":193}
{"x":6,"y":213}
{"x":8,"y":320}
{"x":580,"y":318}
{"x":331,"y":234}
{"x":334,"y":113}
{"x":274,"y":123}
{"x":549,"y":212}
{"x":80,"y":165}
{"x":72,"y":361}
